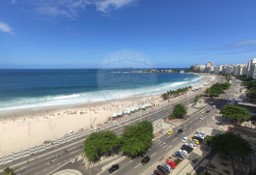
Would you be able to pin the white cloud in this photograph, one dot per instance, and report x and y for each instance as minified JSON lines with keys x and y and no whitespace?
{"x":5,"y":28}
{"x":246,"y":43}
{"x":106,"y":5}
{"x":71,"y":8}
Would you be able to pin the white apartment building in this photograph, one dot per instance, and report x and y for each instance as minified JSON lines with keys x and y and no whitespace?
{"x":250,"y":68}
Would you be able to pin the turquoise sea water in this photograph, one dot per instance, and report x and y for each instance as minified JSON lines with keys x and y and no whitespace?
{"x":39,"y":88}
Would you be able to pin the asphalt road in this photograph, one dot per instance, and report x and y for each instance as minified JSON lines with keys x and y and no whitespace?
{"x":48,"y":161}
{"x":166,"y":143}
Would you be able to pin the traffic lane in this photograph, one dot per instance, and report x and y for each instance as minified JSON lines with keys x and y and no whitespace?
{"x":163,"y":146}
{"x":161,"y":111}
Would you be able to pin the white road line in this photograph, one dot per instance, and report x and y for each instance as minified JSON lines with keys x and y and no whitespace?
{"x":45,"y":169}
{"x":137,"y":166}
{"x":130,"y":161}
{"x":164,"y":146}
{"x":174,"y":139}
{"x":153,"y":154}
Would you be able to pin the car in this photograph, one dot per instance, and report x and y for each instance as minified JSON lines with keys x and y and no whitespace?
{"x":178,"y":155}
{"x":191,"y":145}
{"x":198,"y":138}
{"x":196,"y":141}
{"x":200,"y":132}
{"x":166,"y":166}
{"x":162,"y":169}
{"x":169,"y":132}
{"x":207,"y":111}
{"x":157,"y":172}
{"x":186,"y":148}
{"x":201,"y":118}
{"x":184,"y":139}
{"x":184,"y":152}
{"x":199,"y":135}
{"x":113,"y":168}
{"x":171,"y":163}
{"x":179,"y":131}
{"x":145,"y":160}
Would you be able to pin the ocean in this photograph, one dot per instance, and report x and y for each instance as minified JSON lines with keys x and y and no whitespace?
{"x":34,"y":88}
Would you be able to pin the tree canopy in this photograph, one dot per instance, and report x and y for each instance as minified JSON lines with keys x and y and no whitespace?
{"x":179,"y":111}
{"x":230,"y":144}
{"x":8,"y":171}
{"x":175,"y":93}
{"x":217,"y":89}
{"x":235,"y":113}
{"x":100,"y":144}
{"x":136,"y":139}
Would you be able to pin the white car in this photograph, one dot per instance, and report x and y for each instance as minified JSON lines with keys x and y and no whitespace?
{"x":191,"y":145}
{"x":184,"y":139}
{"x":183,"y":152}
{"x":201,"y":118}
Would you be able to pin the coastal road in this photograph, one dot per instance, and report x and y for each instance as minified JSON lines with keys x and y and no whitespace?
{"x":166,"y":143}
{"x":50,"y":160}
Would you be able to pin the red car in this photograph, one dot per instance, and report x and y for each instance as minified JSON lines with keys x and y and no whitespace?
{"x":171,"y":163}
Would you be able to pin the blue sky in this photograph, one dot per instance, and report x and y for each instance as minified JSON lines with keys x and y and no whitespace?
{"x":80,"y":33}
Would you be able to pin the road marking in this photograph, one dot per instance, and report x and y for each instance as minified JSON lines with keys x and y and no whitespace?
{"x":45,"y":169}
{"x":130,"y":161}
{"x":175,"y":139}
{"x":164,"y":146}
{"x":153,"y":154}
{"x":137,"y":166}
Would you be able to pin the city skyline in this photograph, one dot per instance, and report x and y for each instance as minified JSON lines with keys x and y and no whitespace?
{"x":79,"y":34}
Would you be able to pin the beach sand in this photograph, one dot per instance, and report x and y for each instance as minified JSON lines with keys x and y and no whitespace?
{"x":28,"y":128}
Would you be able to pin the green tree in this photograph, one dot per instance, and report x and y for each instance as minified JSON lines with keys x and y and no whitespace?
{"x":217,"y":89}
{"x":235,"y":113}
{"x":179,"y":111}
{"x":230,"y":144}
{"x":137,"y":139}
{"x":207,"y":140}
{"x":196,"y":99}
{"x":8,"y":171}
{"x":175,"y":93}
{"x":100,"y":144}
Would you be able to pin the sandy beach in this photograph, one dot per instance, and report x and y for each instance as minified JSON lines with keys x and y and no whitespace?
{"x":28,"y":128}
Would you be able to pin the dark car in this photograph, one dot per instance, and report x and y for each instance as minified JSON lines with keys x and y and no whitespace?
{"x":198,"y":138}
{"x":180,"y":131}
{"x":113,"y":168}
{"x":207,"y":111}
{"x":156,"y":172}
{"x":163,"y":169}
{"x":186,"y":148}
{"x":145,"y":160}
{"x":178,"y":155}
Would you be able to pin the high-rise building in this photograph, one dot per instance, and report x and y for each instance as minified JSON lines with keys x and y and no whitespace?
{"x":250,"y":68}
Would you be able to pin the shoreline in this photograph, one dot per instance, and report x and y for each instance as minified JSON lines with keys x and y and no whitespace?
{"x":33,"y":127}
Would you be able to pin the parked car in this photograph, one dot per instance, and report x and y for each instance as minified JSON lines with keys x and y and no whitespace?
{"x":162,"y":169}
{"x":196,"y":141}
{"x":207,"y":111}
{"x":184,"y":139}
{"x":113,"y":168}
{"x":166,"y":166}
{"x":191,"y":145}
{"x":178,"y":155}
{"x":198,"y":138}
{"x":171,"y":163}
{"x":187,"y":148}
{"x":201,"y":118}
{"x":145,"y":160}
{"x":183,"y":152}
{"x":157,"y":172}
